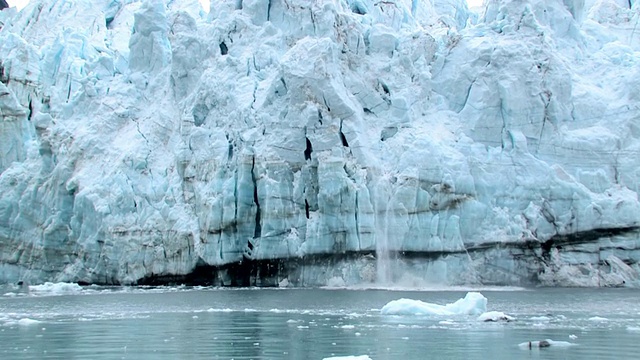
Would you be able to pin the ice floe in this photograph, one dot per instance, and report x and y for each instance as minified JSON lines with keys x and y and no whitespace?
{"x":473,"y":303}
{"x":495,"y":316}
{"x":544,"y":344}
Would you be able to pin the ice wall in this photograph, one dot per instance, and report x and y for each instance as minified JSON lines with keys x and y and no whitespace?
{"x":151,"y":139}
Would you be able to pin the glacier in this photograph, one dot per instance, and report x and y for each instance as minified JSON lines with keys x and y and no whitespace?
{"x":306,"y":143}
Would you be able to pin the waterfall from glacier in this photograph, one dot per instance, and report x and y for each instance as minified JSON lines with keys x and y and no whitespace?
{"x":383,"y":252}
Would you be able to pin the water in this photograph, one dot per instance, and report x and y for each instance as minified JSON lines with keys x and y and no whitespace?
{"x":384,"y":240}
{"x":383,"y":255}
{"x":205,"y":323}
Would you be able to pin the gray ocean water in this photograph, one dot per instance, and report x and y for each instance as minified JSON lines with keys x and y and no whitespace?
{"x":208,"y":323}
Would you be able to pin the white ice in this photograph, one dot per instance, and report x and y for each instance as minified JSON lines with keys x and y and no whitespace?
{"x":145,"y":138}
{"x":495,"y":316}
{"x":552,"y":343}
{"x":28,"y":322}
{"x":473,"y":303}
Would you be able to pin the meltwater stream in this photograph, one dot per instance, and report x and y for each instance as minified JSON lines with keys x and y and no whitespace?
{"x":210,"y":323}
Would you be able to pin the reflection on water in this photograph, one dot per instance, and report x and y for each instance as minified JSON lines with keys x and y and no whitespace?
{"x":312,"y":324}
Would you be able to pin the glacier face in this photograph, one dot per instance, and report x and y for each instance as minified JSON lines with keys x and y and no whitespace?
{"x":153,"y":140}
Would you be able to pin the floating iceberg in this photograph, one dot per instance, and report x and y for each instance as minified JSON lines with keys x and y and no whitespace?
{"x":495,"y":316}
{"x":473,"y":303}
{"x":544,"y":344}
{"x":28,"y":322}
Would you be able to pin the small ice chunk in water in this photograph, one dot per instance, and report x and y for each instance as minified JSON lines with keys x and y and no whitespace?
{"x":598,"y":318}
{"x":544,"y":344}
{"x":540,"y":318}
{"x":495,"y":316}
{"x":27,"y":322}
{"x":350,"y":357}
{"x":473,"y":303}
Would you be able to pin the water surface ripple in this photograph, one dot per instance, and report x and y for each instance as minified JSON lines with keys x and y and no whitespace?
{"x":211,"y":323}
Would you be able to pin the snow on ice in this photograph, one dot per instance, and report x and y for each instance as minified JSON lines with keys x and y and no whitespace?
{"x":473,"y":303}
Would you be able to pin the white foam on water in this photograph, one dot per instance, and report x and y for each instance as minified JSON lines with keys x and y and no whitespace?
{"x":62,"y":288}
{"x":12,"y":294}
{"x":355,"y":315}
{"x":226,"y":310}
{"x":52,"y":289}
{"x":425,"y":288}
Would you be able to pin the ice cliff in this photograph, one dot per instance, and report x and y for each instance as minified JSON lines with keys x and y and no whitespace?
{"x":320,"y":142}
